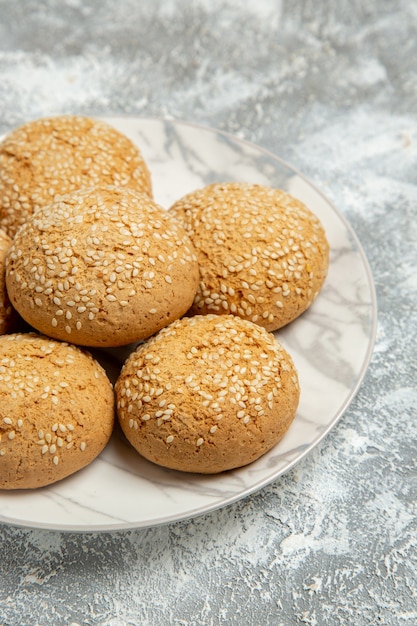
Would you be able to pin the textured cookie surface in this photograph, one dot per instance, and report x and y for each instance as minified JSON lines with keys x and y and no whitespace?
{"x":49,"y":157}
{"x":101,"y":268}
{"x":207,"y":394}
{"x":9,"y":319}
{"x":263,"y":255}
{"x":56,"y":410}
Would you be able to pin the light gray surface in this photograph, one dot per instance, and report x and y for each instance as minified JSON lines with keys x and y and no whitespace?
{"x":332,"y":88}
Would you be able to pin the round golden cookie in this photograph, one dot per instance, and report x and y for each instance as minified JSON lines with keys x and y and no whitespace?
{"x":101,"y":268}
{"x":48,"y":157}
{"x":263,"y":255}
{"x":9,"y":319}
{"x":56,"y":410}
{"x":207,"y":394}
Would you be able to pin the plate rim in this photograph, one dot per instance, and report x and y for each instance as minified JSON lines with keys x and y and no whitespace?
{"x":264,"y":482}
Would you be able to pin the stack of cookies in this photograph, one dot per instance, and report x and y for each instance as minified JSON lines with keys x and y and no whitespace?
{"x":89,"y":260}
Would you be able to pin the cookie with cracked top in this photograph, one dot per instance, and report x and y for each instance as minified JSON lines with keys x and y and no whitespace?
{"x":56,"y":410}
{"x":263,"y":254}
{"x":51,"y":156}
{"x":9,"y":319}
{"x":207,"y":394}
{"x":101,"y":267}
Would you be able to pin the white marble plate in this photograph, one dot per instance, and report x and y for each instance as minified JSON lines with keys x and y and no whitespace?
{"x":331,"y":345}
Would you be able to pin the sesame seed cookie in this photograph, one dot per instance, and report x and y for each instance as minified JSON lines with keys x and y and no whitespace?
{"x":9,"y":319}
{"x":207,"y":394}
{"x":48,"y":157}
{"x":263,"y":255}
{"x":56,"y":410}
{"x":101,"y":267}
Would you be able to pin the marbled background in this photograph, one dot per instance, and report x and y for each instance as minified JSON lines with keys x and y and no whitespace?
{"x":332,"y":88}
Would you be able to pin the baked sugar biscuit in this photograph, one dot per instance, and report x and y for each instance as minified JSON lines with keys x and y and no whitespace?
{"x":56,"y":410}
{"x":49,"y":157}
{"x":207,"y":394}
{"x":9,"y":319}
{"x":101,"y":267}
{"x":263,"y":255}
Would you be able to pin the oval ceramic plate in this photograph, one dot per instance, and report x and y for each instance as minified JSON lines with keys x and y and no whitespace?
{"x":331,"y":345}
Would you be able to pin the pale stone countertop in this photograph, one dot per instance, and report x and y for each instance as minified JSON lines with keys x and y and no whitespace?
{"x":330,"y":87}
